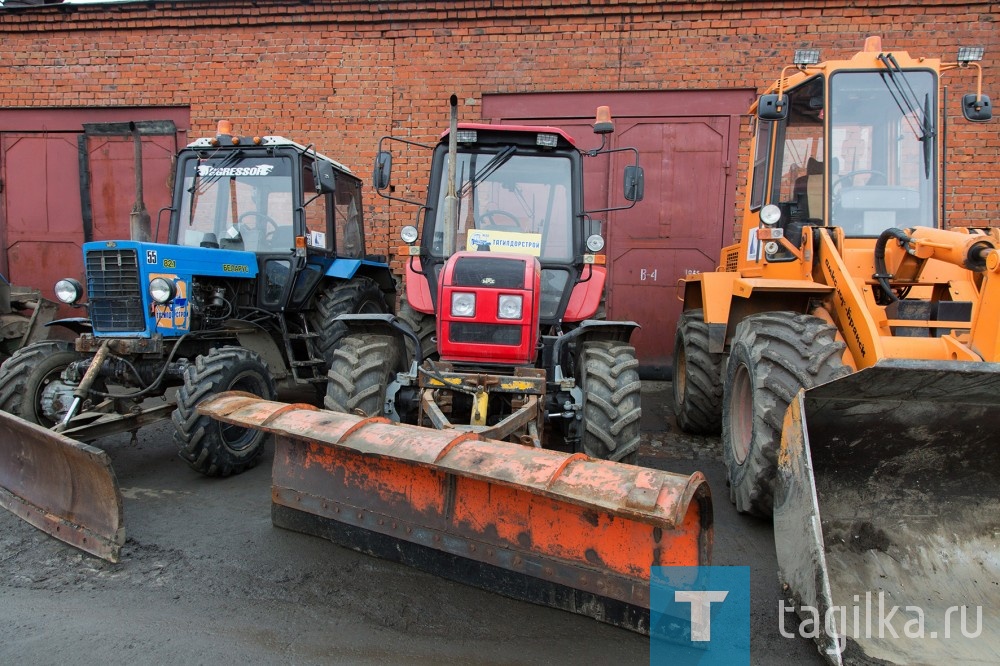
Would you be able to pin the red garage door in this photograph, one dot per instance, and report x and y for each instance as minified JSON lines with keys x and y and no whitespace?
{"x":63,"y":185}
{"x":688,"y":143}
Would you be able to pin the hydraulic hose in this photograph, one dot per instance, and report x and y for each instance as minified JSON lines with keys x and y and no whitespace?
{"x":881,"y":274}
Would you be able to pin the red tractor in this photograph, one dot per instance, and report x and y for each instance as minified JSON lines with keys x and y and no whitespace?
{"x":501,"y":330}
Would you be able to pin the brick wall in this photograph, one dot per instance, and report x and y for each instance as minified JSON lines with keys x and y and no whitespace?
{"x":341,"y":74}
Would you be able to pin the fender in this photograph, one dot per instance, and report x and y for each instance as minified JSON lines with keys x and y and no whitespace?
{"x":586,"y":296}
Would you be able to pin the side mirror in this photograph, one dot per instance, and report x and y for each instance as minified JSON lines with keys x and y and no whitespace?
{"x":772,"y":107}
{"x":635,"y":183}
{"x":977,"y":108}
{"x":383,"y":170}
{"x":325,"y":180}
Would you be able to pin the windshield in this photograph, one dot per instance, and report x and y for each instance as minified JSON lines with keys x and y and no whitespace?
{"x":508,"y":203}
{"x":882,"y":150}
{"x":237,"y":202}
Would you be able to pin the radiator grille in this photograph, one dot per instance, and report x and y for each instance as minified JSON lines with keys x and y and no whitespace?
{"x":479,"y":271}
{"x":732,"y":259}
{"x":496,"y":334}
{"x":114,"y":291}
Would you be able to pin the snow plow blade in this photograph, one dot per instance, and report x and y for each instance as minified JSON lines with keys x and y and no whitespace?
{"x":551,"y":528}
{"x":61,"y":486}
{"x":887,"y":513}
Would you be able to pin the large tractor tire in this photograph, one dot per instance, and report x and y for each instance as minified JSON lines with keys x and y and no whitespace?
{"x":360,"y":295}
{"x":363,"y":367}
{"x":424,"y":325}
{"x":607,"y":374}
{"x":211,"y":447}
{"x":24,"y":376}
{"x":697,"y":378}
{"x":772,"y":356}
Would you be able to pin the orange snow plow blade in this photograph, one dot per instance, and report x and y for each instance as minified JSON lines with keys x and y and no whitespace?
{"x":61,"y":486}
{"x":551,"y":528}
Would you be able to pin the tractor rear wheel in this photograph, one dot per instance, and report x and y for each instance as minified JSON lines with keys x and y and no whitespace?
{"x":360,"y":295}
{"x":363,"y":367}
{"x":24,"y":376}
{"x":211,"y":447}
{"x":773,"y":355}
{"x":697,"y":379}
{"x":607,"y":375}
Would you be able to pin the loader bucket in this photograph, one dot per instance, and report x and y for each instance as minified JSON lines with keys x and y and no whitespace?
{"x":551,"y":528}
{"x":887,"y":514}
{"x":61,"y":486}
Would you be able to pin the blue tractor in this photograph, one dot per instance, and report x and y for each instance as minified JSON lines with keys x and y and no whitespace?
{"x":266,"y":247}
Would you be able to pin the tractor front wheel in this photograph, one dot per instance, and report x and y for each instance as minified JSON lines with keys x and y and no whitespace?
{"x":363,"y":367}
{"x":607,"y":374}
{"x":26,"y":374}
{"x":772,"y":357}
{"x":211,"y":447}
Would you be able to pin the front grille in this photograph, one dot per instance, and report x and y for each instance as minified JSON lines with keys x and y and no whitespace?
{"x":495,"y":334}
{"x":114,"y":291}
{"x":732,"y":259}
{"x":486,"y":272}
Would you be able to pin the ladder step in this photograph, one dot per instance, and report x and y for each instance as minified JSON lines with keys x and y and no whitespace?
{"x":301,"y":364}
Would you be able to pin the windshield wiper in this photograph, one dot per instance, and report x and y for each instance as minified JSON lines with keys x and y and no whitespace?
{"x":487,"y":170}
{"x":906,"y":97}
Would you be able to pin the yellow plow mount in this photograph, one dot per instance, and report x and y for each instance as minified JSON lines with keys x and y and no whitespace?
{"x":551,"y":528}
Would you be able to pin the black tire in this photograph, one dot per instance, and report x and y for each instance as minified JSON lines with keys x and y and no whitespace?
{"x":211,"y":447}
{"x":361,"y":295}
{"x":25,"y":375}
{"x":697,"y":377}
{"x":607,"y":374}
{"x":424,"y":325}
{"x":363,"y":367}
{"x":773,"y":355}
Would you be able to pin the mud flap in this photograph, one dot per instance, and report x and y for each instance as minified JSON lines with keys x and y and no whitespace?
{"x":887,"y":514}
{"x":61,"y":486}
{"x":552,"y":528}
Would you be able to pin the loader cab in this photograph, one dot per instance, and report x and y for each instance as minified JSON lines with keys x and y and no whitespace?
{"x":853,"y":148}
{"x":294,"y":209}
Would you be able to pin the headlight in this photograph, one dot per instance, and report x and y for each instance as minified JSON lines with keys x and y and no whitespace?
{"x":509,"y":306}
{"x":770,"y":215}
{"x":595,"y":243}
{"x":408,"y":234}
{"x":162,"y":291}
{"x":68,"y":290}
{"x":463,"y":304}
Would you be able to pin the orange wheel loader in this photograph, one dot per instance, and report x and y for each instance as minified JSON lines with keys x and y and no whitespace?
{"x":487,"y":432}
{"x":848,"y":348}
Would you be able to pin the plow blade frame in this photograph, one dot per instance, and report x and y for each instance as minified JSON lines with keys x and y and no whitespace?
{"x":551,"y":528}
{"x":61,"y":486}
{"x":887,"y":513}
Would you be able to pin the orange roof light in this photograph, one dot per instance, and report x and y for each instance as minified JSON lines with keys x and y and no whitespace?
{"x":604,"y":124}
{"x":225,"y":128}
{"x":873,"y":44}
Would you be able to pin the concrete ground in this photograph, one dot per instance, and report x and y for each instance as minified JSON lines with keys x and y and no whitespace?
{"x":206,"y":579}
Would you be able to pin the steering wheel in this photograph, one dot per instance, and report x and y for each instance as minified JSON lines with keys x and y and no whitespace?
{"x":493,"y":218}
{"x":851,"y":174}
{"x":270,"y":226}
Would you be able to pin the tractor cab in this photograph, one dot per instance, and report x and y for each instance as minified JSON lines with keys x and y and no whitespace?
{"x":295,"y":209}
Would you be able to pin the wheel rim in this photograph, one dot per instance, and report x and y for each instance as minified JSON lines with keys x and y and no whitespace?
{"x":741,"y":415}
{"x":235,"y":437}
{"x":680,"y":377}
{"x":36,"y":399}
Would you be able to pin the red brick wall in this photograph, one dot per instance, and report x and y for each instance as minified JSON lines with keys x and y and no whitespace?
{"x":341,"y":74}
